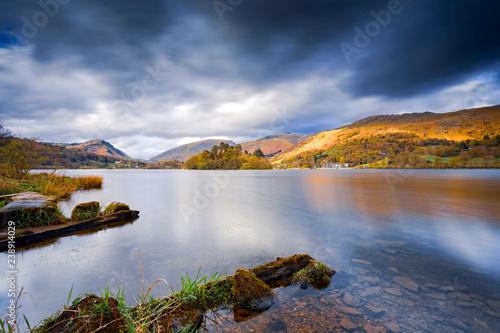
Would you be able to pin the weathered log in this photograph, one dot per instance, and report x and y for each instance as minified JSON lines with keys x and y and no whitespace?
{"x":92,"y":223}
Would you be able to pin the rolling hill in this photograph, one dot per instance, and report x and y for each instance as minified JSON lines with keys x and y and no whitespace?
{"x":184,"y":152}
{"x":366,"y":140}
{"x":99,"y":147}
{"x":273,"y":144}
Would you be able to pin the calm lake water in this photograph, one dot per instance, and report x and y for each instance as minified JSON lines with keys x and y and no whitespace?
{"x":414,"y":250}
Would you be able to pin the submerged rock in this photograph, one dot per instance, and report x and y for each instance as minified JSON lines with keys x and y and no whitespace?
{"x":85,"y":210}
{"x":251,"y":292}
{"x":315,"y":273}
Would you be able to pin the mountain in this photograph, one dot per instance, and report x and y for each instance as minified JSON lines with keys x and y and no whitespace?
{"x":184,"y":152}
{"x":273,"y":144}
{"x":99,"y":147}
{"x":372,"y":139}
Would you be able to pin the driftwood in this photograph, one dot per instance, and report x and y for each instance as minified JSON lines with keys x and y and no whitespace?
{"x":92,"y":223}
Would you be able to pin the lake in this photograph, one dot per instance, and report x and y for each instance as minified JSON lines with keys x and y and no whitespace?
{"x":414,"y":250}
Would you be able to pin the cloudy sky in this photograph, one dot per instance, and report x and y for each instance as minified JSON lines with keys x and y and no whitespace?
{"x":150,"y":75}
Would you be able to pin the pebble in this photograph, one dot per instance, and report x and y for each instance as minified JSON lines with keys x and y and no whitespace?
{"x":375,"y":310}
{"x":347,"y":324}
{"x":370,"y":291}
{"x":493,"y":304}
{"x":393,"y":327}
{"x":394,"y":291}
{"x":348,"y":310}
{"x":436,"y":296}
{"x":406,"y":283}
{"x":371,"y":329}
{"x":464,"y":304}
{"x":350,"y":300}
{"x":393,"y":269}
{"x":463,"y":296}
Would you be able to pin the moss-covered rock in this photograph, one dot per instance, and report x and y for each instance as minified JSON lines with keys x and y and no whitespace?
{"x":115,"y":207}
{"x":251,"y":292}
{"x":316,"y":273}
{"x":279,"y":273}
{"x":86,"y":210}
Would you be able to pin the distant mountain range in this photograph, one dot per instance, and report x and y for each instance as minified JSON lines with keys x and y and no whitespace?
{"x":184,"y":152}
{"x":365,"y":134}
{"x":99,"y":147}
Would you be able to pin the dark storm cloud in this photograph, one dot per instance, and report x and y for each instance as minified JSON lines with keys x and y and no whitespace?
{"x":108,"y":34}
{"x":427,"y":44}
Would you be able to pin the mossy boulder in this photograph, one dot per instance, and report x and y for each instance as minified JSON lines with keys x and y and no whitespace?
{"x":279,"y":273}
{"x":115,"y":207}
{"x":250,"y":292}
{"x":316,"y":274}
{"x":86,"y":210}
{"x":91,"y":314}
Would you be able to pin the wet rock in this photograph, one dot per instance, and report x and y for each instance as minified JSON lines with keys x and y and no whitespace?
{"x":24,"y":204}
{"x":115,"y":207}
{"x":394,"y":291}
{"x":350,"y":300}
{"x":439,"y":296}
{"x":406,"y":283}
{"x":85,"y":210}
{"x":393,"y":327}
{"x":347,"y":324}
{"x":375,"y":311}
{"x":393,"y":269}
{"x":493,"y":304}
{"x":371,"y":329}
{"x":279,"y":273}
{"x":348,"y":310}
{"x":370,"y":291}
{"x":493,"y":313}
{"x":464,"y":304}
{"x":476,"y":296}
{"x":447,"y":288}
{"x":251,"y":292}
{"x":463,"y":296}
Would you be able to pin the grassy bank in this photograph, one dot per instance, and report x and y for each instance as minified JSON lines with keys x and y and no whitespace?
{"x":184,"y":310}
{"x":58,"y":186}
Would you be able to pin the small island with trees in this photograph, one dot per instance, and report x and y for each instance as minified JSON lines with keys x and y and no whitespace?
{"x":226,"y":157}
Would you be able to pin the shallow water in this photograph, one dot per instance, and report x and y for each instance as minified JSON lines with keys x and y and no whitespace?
{"x":414,"y":250}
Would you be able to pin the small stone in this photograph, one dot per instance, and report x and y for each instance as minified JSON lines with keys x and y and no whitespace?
{"x":493,"y":313}
{"x":406,"y":283}
{"x":493,"y":304}
{"x":463,"y":296}
{"x":394,"y":291}
{"x":476,"y":296}
{"x":393,"y":327}
{"x":370,"y":291}
{"x":375,"y":311}
{"x":348,"y":310}
{"x":371,"y":329}
{"x":362,"y":261}
{"x":350,"y":300}
{"x":436,"y":296}
{"x":447,"y":288}
{"x":393,"y":269}
{"x":347,"y":324}
{"x":464,"y":304}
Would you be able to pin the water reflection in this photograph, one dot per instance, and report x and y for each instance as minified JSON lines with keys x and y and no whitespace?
{"x":440,"y":229}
